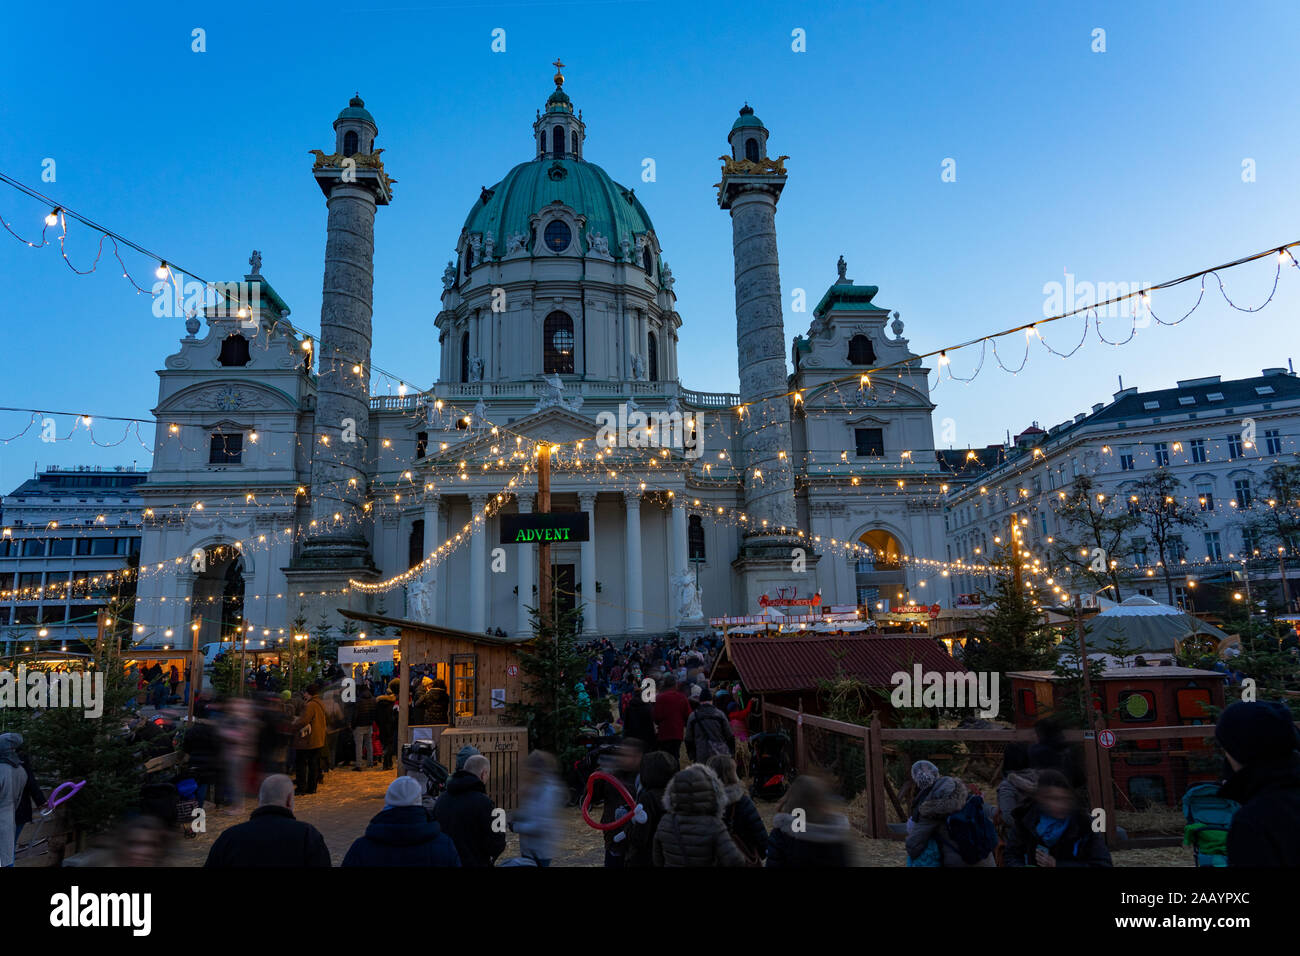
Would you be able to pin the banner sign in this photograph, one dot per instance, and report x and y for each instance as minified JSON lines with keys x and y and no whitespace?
{"x":545,"y":528}
{"x":365,"y":653}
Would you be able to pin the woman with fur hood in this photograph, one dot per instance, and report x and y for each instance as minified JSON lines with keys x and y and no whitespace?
{"x":929,"y":823}
{"x":820,"y":839}
{"x":692,"y":833}
{"x":1018,"y":782}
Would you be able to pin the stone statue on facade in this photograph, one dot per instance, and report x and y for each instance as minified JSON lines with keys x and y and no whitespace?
{"x":638,"y":368}
{"x":667,"y":277}
{"x":552,"y":395}
{"x":625,"y":248}
{"x":255,"y":263}
{"x":419,"y":598}
{"x":515,"y":243}
{"x":843,"y":268}
{"x":687,"y":599}
{"x":489,"y":246}
{"x":479,"y":416}
{"x":449,"y":276}
{"x":476,"y":369}
{"x":597,"y":245}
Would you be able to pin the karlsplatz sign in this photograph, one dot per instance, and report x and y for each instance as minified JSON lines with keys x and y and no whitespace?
{"x":546,"y":528}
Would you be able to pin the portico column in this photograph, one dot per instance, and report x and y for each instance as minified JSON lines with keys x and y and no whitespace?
{"x":680,"y":554}
{"x":524,"y":558}
{"x":587,"y":501}
{"x":431,"y":542}
{"x":635,"y":614}
{"x":478,"y":565}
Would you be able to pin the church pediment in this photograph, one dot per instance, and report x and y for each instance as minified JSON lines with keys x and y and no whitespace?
{"x":227,"y":397}
{"x":554,"y":424}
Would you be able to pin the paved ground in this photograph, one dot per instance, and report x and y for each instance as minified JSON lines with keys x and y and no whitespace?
{"x":347,"y":800}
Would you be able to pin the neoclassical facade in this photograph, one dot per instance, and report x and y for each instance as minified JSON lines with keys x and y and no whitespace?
{"x":558,"y":319}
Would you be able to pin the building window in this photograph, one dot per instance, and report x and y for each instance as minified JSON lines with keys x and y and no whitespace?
{"x":60,"y":547}
{"x":751,"y":149}
{"x":1273,"y":441}
{"x":1198,"y":451}
{"x":557,"y":343}
{"x":695,"y":538}
{"x":557,"y":141}
{"x":1249,"y":542}
{"x":421,"y":444}
{"x":351,"y":142}
{"x":558,"y":235}
{"x":860,"y":351}
{"x":652,"y":356}
{"x":226,"y":449}
{"x":647,"y":260}
{"x":1205,"y":497}
{"x":1213,"y":550}
{"x":234,"y":351}
{"x":415,"y":544}
{"x":1177,"y":549}
{"x":1241,"y":489}
{"x":1140,"y":552}
{"x":1126,"y":461}
{"x":464,"y":684}
{"x":870,"y":442}
{"x":464,"y":356}
{"x":1234,"y":447}
{"x":1160,"y":451}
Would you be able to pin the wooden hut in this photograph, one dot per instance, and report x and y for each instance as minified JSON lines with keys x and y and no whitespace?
{"x":483,"y":679}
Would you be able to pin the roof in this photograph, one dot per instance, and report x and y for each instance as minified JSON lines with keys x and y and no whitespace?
{"x":611,"y":209}
{"x":1128,"y":673}
{"x":770,"y":664}
{"x":62,"y":482}
{"x":404,"y":624}
{"x":970,"y":461}
{"x":847,"y":297}
{"x":356,"y":110}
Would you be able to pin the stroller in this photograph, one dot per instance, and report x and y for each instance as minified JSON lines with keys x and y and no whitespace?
{"x":1208,"y":818}
{"x":421,"y":765}
{"x":771,"y":769}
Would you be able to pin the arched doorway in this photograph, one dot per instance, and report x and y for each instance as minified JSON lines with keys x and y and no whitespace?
{"x":879,"y":577}
{"x":217,"y":600}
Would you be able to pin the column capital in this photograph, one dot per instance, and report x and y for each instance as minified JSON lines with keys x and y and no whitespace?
{"x":632,"y":497}
{"x":587,"y":499}
{"x":525,"y":503}
{"x":478,"y":502}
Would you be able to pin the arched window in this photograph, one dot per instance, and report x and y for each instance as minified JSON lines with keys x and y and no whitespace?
{"x":751,"y":149}
{"x":351,"y":143}
{"x":468,"y":257}
{"x":464,"y":356}
{"x":695,"y":538}
{"x":234,"y":351}
{"x":557,"y":141}
{"x":541,"y":142}
{"x":557,"y":344}
{"x":652,"y":356}
{"x":860,"y":351}
{"x":648,"y":260}
{"x":415,"y":543}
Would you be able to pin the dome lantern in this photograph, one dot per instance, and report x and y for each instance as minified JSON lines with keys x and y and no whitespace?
{"x":748,"y":136}
{"x":558,"y":132}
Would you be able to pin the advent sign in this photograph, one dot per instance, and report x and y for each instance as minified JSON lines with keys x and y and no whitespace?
{"x":545,"y":528}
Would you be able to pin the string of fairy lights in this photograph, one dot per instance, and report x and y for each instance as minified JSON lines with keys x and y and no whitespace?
{"x":608,"y":468}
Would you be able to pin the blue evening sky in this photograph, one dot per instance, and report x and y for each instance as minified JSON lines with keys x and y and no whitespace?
{"x":1122,"y":166}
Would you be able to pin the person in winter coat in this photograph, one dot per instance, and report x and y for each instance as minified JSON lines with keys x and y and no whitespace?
{"x":924,"y":776}
{"x":386,"y":718}
{"x":13,"y":783}
{"x":272,"y":836}
{"x":692,"y":833}
{"x":1052,"y":831}
{"x":626,"y":763}
{"x":708,"y":732}
{"x":1019,"y":781}
{"x":363,"y":718}
{"x":657,"y":768}
{"x":741,"y":816}
{"x":639,"y":719}
{"x":203,"y":746}
{"x":1260,"y":742}
{"x":947,"y":796}
{"x":434,"y":705}
{"x":820,"y":838}
{"x":671,"y":712}
{"x":403,"y":833}
{"x":32,"y":797}
{"x":309,"y":740}
{"x":541,"y":798}
{"x":467,"y":814}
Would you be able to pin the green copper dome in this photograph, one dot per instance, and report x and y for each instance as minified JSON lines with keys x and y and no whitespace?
{"x":611,"y":210}
{"x":356,"y":110}
{"x":747,"y":118}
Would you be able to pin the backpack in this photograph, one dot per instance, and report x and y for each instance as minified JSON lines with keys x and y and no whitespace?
{"x":710,"y":739}
{"x":971,"y":831}
{"x":1209,"y":817}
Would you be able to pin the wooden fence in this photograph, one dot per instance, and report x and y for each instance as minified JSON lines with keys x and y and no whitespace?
{"x":876,"y":742}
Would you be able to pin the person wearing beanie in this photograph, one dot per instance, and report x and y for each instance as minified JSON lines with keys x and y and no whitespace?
{"x":924,"y":776}
{"x":1260,"y":742}
{"x":403,"y":833}
{"x":272,"y":836}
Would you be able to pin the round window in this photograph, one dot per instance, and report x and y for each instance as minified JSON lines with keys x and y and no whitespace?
{"x":558,"y":235}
